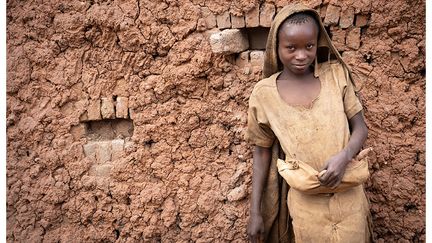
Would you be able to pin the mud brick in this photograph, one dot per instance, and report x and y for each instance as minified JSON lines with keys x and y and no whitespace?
{"x":107,"y":108}
{"x":353,"y":38}
{"x":103,"y":170}
{"x":117,"y":147}
{"x":90,"y":150}
{"x":94,"y":110}
{"x":223,"y":21}
{"x":338,"y":38}
{"x":361,"y":20}
{"x":79,"y":131}
{"x":243,"y":59}
{"x":237,"y":22}
{"x":257,"y":58}
{"x":323,"y":11}
{"x":332,"y":15}
{"x":209,"y":18}
{"x":347,"y":18}
{"x":122,"y":104}
{"x":103,"y":151}
{"x":252,"y":18}
{"x":267,"y":13}
{"x":229,"y":41}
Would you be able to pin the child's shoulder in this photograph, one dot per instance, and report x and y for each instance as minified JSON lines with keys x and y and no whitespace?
{"x":332,"y":64}
{"x":265,"y":84}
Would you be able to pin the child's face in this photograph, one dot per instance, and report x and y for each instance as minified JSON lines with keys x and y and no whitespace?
{"x":297,"y":46}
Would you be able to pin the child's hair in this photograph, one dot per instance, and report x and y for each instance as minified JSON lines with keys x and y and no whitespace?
{"x":301,"y":18}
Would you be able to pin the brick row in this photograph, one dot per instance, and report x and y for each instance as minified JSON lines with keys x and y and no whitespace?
{"x":106,"y":108}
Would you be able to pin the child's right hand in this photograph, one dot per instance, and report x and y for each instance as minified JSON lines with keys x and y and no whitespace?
{"x":255,"y":228}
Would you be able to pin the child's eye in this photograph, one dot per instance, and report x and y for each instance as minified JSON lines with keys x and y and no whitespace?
{"x":309,"y":46}
{"x":291,"y":48}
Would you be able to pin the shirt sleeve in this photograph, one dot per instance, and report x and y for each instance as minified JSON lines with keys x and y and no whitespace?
{"x":258,"y":128}
{"x":351,"y":101}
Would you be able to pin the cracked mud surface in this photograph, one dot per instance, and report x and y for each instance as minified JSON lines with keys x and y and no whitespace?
{"x":187,"y":174}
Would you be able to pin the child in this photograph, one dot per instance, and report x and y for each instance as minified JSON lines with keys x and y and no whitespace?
{"x":306,"y":105}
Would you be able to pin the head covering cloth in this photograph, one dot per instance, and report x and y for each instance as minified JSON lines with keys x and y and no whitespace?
{"x":325,"y":51}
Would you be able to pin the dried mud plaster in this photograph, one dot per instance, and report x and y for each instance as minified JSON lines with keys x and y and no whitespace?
{"x":179,"y":170}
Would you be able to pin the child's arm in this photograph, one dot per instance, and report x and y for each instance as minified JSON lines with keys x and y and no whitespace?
{"x":261,"y":164}
{"x":336,"y":165}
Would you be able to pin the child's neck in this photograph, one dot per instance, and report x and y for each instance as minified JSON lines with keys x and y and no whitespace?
{"x":290,"y":76}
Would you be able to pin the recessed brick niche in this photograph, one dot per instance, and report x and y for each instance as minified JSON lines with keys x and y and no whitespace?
{"x":107,"y":127}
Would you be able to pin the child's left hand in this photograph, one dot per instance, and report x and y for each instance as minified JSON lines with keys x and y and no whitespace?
{"x":335,"y":170}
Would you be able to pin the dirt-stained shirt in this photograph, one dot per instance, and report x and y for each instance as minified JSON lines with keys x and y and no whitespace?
{"x":311,"y":134}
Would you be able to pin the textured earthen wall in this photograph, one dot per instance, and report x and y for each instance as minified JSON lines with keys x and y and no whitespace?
{"x":182,"y":171}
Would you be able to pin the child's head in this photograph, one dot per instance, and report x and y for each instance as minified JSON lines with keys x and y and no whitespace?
{"x":297,"y":41}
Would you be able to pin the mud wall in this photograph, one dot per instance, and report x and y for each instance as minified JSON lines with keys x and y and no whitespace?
{"x":123,"y":125}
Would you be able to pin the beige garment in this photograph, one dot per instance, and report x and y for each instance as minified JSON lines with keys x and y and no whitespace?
{"x":301,"y":176}
{"x":312,"y":135}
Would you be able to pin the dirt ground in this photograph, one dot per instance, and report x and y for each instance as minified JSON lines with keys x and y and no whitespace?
{"x":173,"y":166}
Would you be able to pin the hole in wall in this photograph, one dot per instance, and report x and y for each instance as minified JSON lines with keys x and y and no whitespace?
{"x":109,"y":129}
{"x":257,"y":37}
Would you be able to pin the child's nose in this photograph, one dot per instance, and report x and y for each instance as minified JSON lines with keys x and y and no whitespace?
{"x":301,"y":55}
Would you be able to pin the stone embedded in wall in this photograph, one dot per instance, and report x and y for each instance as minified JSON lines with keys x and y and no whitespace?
{"x":237,"y":22}
{"x":209,"y":18}
{"x":223,"y":21}
{"x":332,"y":15}
{"x":122,"y":104}
{"x":107,"y":108}
{"x":267,"y":12}
{"x":94,"y":110}
{"x":257,"y":58}
{"x":361,"y":20}
{"x":252,"y":17}
{"x":346,"y":18}
{"x":243,"y":59}
{"x":229,"y":41}
{"x":353,"y":38}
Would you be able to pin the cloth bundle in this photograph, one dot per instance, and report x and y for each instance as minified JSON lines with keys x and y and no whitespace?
{"x":301,"y":176}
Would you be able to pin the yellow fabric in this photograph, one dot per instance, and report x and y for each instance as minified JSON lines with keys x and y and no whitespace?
{"x":311,"y":135}
{"x":302,"y":177}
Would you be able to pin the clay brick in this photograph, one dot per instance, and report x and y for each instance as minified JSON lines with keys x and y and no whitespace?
{"x":323,"y":11}
{"x":122,"y":104}
{"x":229,"y":41}
{"x":353,"y":39}
{"x":103,"y":170}
{"x":332,"y":15}
{"x":209,"y":18}
{"x":90,"y":150}
{"x":117,"y":147}
{"x":103,"y":151}
{"x":338,"y":38}
{"x":252,"y":18}
{"x":223,"y":21}
{"x":79,"y":131}
{"x":267,"y":13}
{"x":347,"y":18}
{"x":94,"y":110}
{"x":107,"y":108}
{"x":237,"y":22}
{"x":243,"y":59}
{"x":361,"y":20}
{"x":257,"y":58}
